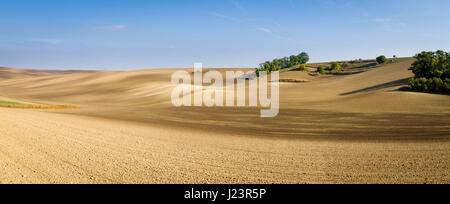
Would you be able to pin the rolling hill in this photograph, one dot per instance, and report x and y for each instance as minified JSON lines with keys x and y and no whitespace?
{"x":331,"y":129}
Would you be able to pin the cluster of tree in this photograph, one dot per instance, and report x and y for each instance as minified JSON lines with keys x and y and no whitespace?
{"x":283,"y":63}
{"x":432,"y":72}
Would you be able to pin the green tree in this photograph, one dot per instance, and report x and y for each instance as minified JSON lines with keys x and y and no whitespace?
{"x":447,"y":85}
{"x":381,"y":59}
{"x":303,"y":58}
{"x":294,"y":60}
{"x":432,"y":64}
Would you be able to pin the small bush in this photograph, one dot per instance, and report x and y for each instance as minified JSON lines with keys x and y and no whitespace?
{"x":335,"y":66}
{"x":320,"y":70}
{"x":302,"y":67}
{"x":381,"y":59}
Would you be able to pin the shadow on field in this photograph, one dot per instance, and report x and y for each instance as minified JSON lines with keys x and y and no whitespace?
{"x":377,"y":87}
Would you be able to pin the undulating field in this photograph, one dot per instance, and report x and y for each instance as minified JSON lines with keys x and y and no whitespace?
{"x":120,"y":127}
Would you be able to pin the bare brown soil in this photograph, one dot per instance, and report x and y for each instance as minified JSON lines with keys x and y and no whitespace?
{"x":356,"y":128}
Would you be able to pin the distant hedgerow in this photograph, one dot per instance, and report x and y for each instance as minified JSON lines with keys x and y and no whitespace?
{"x":283,"y":63}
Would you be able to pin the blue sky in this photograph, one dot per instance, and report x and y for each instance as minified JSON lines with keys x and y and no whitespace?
{"x":140,"y":34}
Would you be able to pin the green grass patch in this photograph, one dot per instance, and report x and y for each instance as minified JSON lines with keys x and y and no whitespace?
{"x":9,"y":103}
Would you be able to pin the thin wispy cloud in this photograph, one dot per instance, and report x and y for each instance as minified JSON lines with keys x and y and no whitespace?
{"x":272,"y":33}
{"x":391,"y":24}
{"x":52,"y":42}
{"x":381,"y":20}
{"x":230,"y":18}
{"x":262,"y":29}
{"x":266,"y":30}
{"x":238,"y":6}
{"x":109,"y":27}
